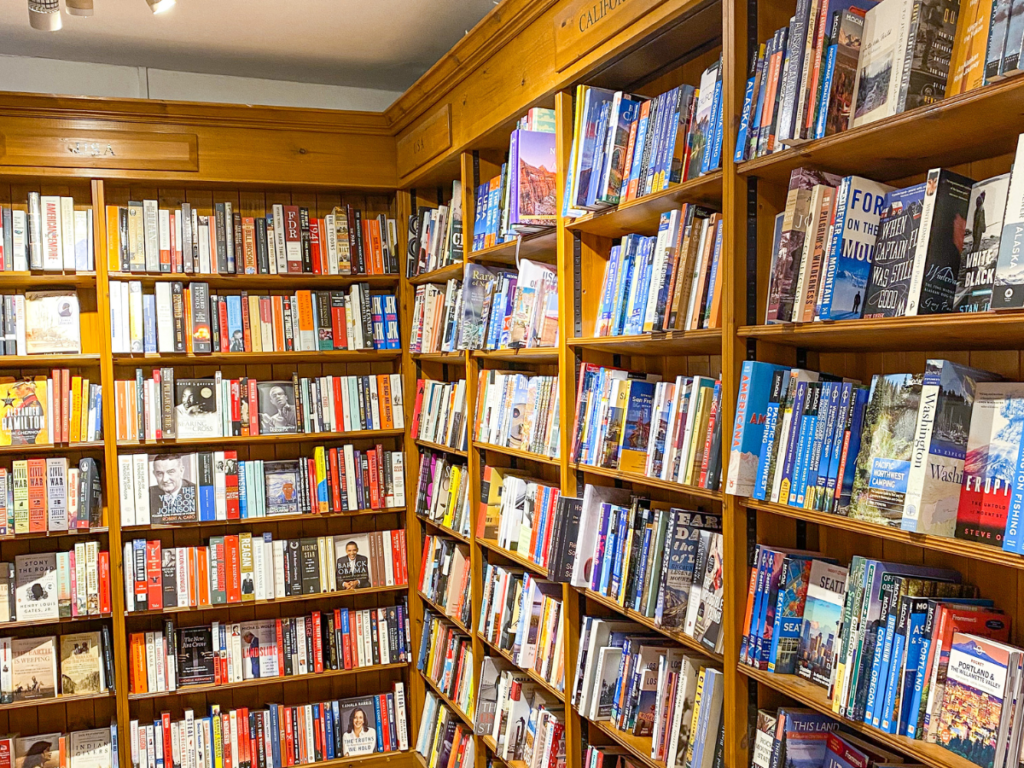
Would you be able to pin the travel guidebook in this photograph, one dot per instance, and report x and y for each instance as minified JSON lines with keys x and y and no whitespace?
{"x":826,"y":591}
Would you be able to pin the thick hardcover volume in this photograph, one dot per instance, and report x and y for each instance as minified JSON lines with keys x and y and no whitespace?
{"x":1008,"y":292}
{"x":894,"y":253}
{"x":202,"y":339}
{"x":293,"y":239}
{"x":940,"y":239}
{"x":981,"y":245}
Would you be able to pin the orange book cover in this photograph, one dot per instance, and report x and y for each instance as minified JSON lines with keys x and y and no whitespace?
{"x":306,"y":336}
{"x":375,"y":246}
{"x":279,"y":323}
{"x":37,"y":514}
{"x":58,"y":402}
{"x":65,"y":413}
{"x":203,"y":575}
{"x":249,"y":244}
{"x":113,"y":238}
{"x":325,"y":256}
{"x":233,"y":576}
{"x":120,"y":397}
{"x":138,"y":682}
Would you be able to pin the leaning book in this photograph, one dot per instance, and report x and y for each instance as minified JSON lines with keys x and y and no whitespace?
{"x":34,"y":668}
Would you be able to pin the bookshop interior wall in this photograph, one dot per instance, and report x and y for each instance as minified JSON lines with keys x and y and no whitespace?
{"x":640,"y":390}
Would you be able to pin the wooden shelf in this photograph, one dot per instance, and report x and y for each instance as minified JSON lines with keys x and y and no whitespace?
{"x":651,"y":482}
{"x":515,"y":557}
{"x":84,"y":697}
{"x":532,"y":674}
{"x":263,"y":681}
{"x":668,"y":343}
{"x":517,"y":454}
{"x":492,"y":745}
{"x":439,"y":609}
{"x":254,"y":358}
{"x":52,"y":622}
{"x":100,"y":531}
{"x":949,"y":545}
{"x":85,"y":360}
{"x":447,"y":358}
{"x":442,"y":275}
{"x":271,"y":519}
{"x":276,"y":601}
{"x":442,"y":448}
{"x":638,"y":746}
{"x":539,"y":246}
{"x":531,"y":355}
{"x":641,"y":216}
{"x":962,"y":331}
{"x":305,"y":437}
{"x":262,"y":282}
{"x":63,"y":448}
{"x":978,"y":124}
{"x":448,"y":701}
{"x":816,"y":698}
{"x":33,"y":280}
{"x":443,"y":529}
{"x":639,"y":618}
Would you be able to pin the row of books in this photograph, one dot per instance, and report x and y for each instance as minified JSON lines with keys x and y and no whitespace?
{"x":522,"y":615}
{"x":669,"y":282}
{"x":176,"y":318}
{"x":40,"y":323}
{"x":446,"y":659}
{"x":32,"y":666}
{"x":445,"y":577}
{"x":50,"y":495}
{"x":214,"y":654}
{"x":518,"y":513}
{"x":509,"y":309}
{"x":245,"y":568}
{"x":143,"y":237}
{"x":436,"y":311}
{"x":94,"y":748}
{"x":443,"y":739}
{"x":56,"y":585}
{"x":58,"y":410}
{"x":440,"y":413}
{"x":181,"y":488}
{"x":525,"y":720}
{"x":637,"y":423}
{"x":627,"y":146}
{"x":442,"y":491}
{"x":436,"y":235}
{"x":165,"y":408}
{"x":278,"y":736}
{"x":47,"y":233}
{"x":516,"y":410}
{"x":522,"y":197}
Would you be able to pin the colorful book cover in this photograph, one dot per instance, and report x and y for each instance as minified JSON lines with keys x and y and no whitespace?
{"x":23,"y":411}
{"x":536,"y":201}
{"x":789,"y":615}
{"x":756,"y":390}
{"x":981,"y":244}
{"x":892,"y":266}
{"x":682,"y":552}
{"x":805,"y":737}
{"x":636,"y":430}
{"x":773,"y":414}
{"x":826,"y":589}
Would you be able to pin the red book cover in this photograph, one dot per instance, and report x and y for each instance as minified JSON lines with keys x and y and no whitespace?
{"x":314,"y":246}
{"x":280,"y":647}
{"x":428,"y":541}
{"x":37,"y":512}
{"x":311,"y":474}
{"x":104,"y":572}
{"x":243,"y":401}
{"x":289,"y":735}
{"x":339,"y":405}
{"x":154,"y":576}
{"x":381,"y":486}
{"x":374,"y":490}
{"x":402,"y":556}
{"x":318,"y":644}
{"x":246,"y":323}
{"x":375,"y":245}
{"x":712,"y":418}
{"x":338,"y":330}
{"x":165,"y":719}
{"x":236,"y":407}
{"x":293,"y":238}
{"x":417,"y":408}
{"x":225,"y":729}
{"x":233,"y":575}
{"x":177,"y":264}
{"x":57,"y":404}
{"x":222,"y":325}
{"x":231,"y":484}
{"x":254,"y":411}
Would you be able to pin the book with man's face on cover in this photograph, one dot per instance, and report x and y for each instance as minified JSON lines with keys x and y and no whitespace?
{"x":195,"y":409}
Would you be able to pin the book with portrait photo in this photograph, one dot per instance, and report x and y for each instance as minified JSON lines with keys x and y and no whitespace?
{"x":358,"y":726}
{"x":51,"y":323}
{"x":353,"y":562}
{"x":282,"y":483}
{"x":259,"y":649}
{"x":34,"y":668}
{"x":277,"y":408}
{"x":195,"y":410}
{"x":36,"y":586}
{"x":172,"y":489}
{"x":41,"y":751}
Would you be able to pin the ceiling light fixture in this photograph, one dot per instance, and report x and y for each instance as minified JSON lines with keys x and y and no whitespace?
{"x":159,"y":6}
{"x":79,"y":7}
{"x":44,"y":15}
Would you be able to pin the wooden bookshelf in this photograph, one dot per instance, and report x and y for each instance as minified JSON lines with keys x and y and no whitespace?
{"x":536,"y":678}
{"x":637,"y":746}
{"x":256,"y":358}
{"x":539,"y":246}
{"x":445,"y":358}
{"x":442,"y":448}
{"x":515,"y":453}
{"x":48,"y":362}
{"x":265,"y":520}
{"x":440,"y":611}
{"x":702,"y":342}
{"x":441,"y":275}
{"x":515,"y":557}
{"x":16,"y":450}
{"x":301,"y":437}
{"x":34,"y":280}
{"x":441,"y":529}
{"x":448,"y":701}
{"x":651,"y":482}
{"x":271,"y":283}
{"x":532,"y":355}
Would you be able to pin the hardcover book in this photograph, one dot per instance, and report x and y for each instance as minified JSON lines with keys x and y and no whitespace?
{"x":927,"y":61}
{"x":196,"y":657}
{"x":882,"y":61}
{"x":195,"y":412}
{"x":34,"y":668}
{"x":359,"y":736}
{"x":80,"y":670}
{"x":36,"y":586}
{"x":23,"y":411}
{"x":41,"y":751}
{"x":967,"y":62}
{"x":51,"y":323}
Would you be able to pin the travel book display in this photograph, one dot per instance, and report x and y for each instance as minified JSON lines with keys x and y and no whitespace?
{"x":46,"y":233}
{"x":435,"y":236}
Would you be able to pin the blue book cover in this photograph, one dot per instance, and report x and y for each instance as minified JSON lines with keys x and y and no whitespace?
{"x":623,"y":281}
{"x":765,"y":618}
{"x":808,"y":426}
{"x":670,"y":166}
{"x":779,"y":386}
{"x":817,"y":473}
{"x":748,"y":104}
{"x":823,"y":610}
{"x":666,"y":117}
{"x":604,"y":119}
{"x":750,"y":151}
{"x":243,"y":501}
{"x":715,"y":154}
{"x":377,"y":305}
{"x":915,"y":646}
{"x":713,"y":272}
{"x":703,"y":739}
{"x":637,"y":307}
{"x":764,"y":565}
{"x":638,"y":147}
{"x":828,"y":69}
{"x":645,"y":548}
{"x":756,"y":392}
{"x":789,"y":614}
{"x":636,"y":427}
{"x":805,"y":741}
{"x":236,"y":342}
{"x":615,"y":581}
{"x":827,"y":495}
{"x":853,"y":448}
{"x":275,"y":729}
{"x":608,"y":293}
{"x":799,"y":403}
{"x":595,"y":102}
{"x":149,"y":322}
{"x":207,"y":489}
{"x":392,"y":338}
{"x":611,"y":551}
{"x":480,"y":219}
{"x":892,"y":660}
{"x":888,"y":715}
{"x":882,"y":647}
{"x":1012,"y":539}
{"x":545,"y":499}
{"x":602,"y":541}
{"x":380,"y":723}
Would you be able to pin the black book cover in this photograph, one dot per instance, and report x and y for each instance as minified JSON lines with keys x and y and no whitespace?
{"x":90,"y":499}
{"x":307,"y":253}
{"x":412,"y":253}
{"x":195,"y":656}
{"x":220,"y":227}
{"x":294,"y":567}
{"x":238,"y":249}
{"x":215,"y":329}
{"x":568,"y":519}
{"x":329,"y":640}
{"x":122,"y":228}
{"x":261,"y":741}
{"x":310,"y":566}
{"x":108,"y":654}
{"x":325,"y":330}
{"x":357,"y":239}
{"x":287,"y":645}
{"x":367,"y":316}
{"x":178,"y":313}
{"x":893,"y":263}
{"x":262,"y":252}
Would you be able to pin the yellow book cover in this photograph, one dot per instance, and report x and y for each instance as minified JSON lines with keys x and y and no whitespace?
{"x":967,"y":62}
{"x":83,"y":429}
{"x":23,"y":411}
{"x":699,"y":434}
{"x":76,"y":410}
{"x":321,"y":479}
{"x":453,"y":495}
{"x":636,"y":427}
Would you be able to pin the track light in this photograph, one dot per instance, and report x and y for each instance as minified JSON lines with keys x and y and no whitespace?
{"x":79,"y":7}
{"x":159,"y":6}
{"x":44,"y":15}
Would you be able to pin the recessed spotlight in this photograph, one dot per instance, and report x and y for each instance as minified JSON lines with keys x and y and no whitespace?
{"x":79,"y":7}
{"x":159,"y":6}
{"x":44,"y":15}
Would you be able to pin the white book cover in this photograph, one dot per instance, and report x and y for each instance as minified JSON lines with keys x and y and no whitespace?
{"x":164,"y":235}
{"x":67,"y":233}
{"x":151,"y":236}
{"x":36,"y":586}
{"x":880,"y":68}
{"x":135,"y":320}
{"x":1008,"y":289}
{"x":164,"y":318}
{"x":140,"y":477}
{"x":19,"y":240}
{"x":83,"y":240}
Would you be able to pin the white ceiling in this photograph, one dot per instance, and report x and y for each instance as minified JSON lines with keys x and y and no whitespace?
{"x":383,"y":44}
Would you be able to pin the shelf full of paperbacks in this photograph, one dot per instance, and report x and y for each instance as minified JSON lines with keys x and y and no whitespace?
{"x":900,"y":648}
{"x":247,"y":568}
{"x":442,"y":492}
{"x":182,"y":319}
{"x":142,"y":237}
{"x":47,"y":233}
{"x":165,"y":408}
{"x":279,"y":735}
{"x":51,"y":495}
{"x":208,"y":486}
{"x":439,"y":414}
{"x":182,"y":658}
{"x":870,"y":250}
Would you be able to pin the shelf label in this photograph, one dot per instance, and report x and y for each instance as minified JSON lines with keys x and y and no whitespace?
{"x":75,"y":148}
{"x":583,"y":25}
{"x":426,"y":141}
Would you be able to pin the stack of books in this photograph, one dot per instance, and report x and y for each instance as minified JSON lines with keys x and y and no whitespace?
{"x":435,"y":236}
{"x":446,"y":659}
{"x":165,"y":408}
{"x":176,"y":318}
{"x":518,"y":411}
{"x":440,"y":413}
{"x":442,"y":491}
{"x":509,"y":309}
{"x":46,"y":233}
{"x":41,"y":323}
{"x":518,"y":513}
{"x":639,"y":424}
{"x":142,"y":237}
{"x":436,"y":311}
{"x":57,"y":585}
{"x":669,"y":282}
{"x":50,"y":495}
{"x":445,"y":577}
{"x":627,"y":146}
{"x":443,"y":736}
{"x":522,"y":197}
{"x":218,"y":653}
{"x":280,"y":735}
{"x":526,"y":722}
{"x":522,"y":616}
{"x":246,"y":568}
